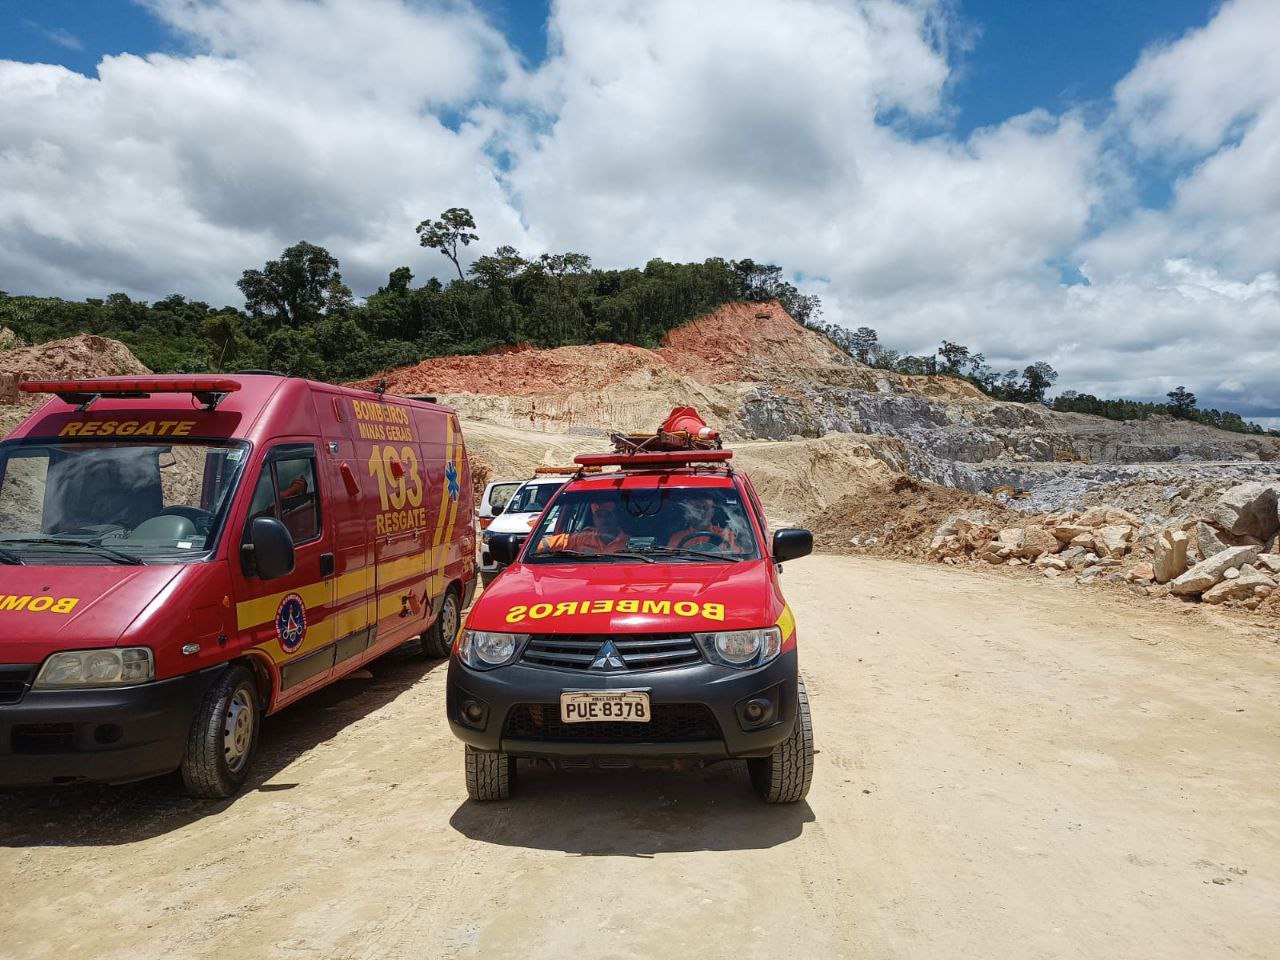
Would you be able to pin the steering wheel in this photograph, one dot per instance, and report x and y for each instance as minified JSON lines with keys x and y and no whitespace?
{"x":202,"y":519}
{"x":717,"y":540}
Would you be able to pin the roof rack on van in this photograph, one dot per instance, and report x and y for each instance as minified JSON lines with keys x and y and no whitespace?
{"x":563,"y":471}
{"x":208,"y":390}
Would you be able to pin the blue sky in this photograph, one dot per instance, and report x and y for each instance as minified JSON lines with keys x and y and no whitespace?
{"x":1082,"y":181}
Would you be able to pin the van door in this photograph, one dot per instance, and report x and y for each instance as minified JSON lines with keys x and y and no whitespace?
{"x":289,"y":618}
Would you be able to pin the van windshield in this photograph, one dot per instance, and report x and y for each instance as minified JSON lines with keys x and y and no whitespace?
{"x":658,"y":524}
{"x":71,"y":502}
{"x":532,"y":497}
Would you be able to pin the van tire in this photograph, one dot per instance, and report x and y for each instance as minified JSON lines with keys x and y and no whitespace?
{"x":490,"y":776}
{"x":785,"y":775}
{"x":437,"y":641}
{"x":223,"y":737}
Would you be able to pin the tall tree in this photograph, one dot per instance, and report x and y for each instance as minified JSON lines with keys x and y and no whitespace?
{"x":955,"y":357}
{"x":1038,"y":378}
{"x":455,"y":227}
{"x":1182,"y":403}
{"x":296,"y":290}
{"x":864,"y":342}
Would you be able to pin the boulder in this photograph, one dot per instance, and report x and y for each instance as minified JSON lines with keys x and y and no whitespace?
{"x":1093,"y":517}
{"x":1050,"y":562}
{"x":1037,"y":541}
{"x":1073,"y":555}
{"x":1112,"y":541}
{"x":1171,"y":555}
{"x":1084,"y":540}
{"x":1207,"y":573}
{"x":1143,"y":571}
{"x":1249,"y":509}
{"x":1210,"y":540}
{"x":1269,"y":561}
{"x":1230,"y":574}
{"x":1011,"y":537}
{"x":1066,"y":532}
{"x":1240,"y":587}
{"x":1052,"y":572}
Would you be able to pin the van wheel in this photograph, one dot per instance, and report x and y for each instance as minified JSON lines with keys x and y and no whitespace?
{"x":224,"y":736}
{"x":784,"y":776}
{"x":437,"y":641}
{"x":490,"y":776}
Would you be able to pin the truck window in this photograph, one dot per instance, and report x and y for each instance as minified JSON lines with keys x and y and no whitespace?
{"x":287,"y":491}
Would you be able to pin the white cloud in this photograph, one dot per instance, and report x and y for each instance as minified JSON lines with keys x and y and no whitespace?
{"x":785,"y":131}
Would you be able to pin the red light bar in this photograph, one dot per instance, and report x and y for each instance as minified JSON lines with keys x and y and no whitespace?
{"x":131,"y":386}
{"x":208,"y":390}
{"x":667,"y":458}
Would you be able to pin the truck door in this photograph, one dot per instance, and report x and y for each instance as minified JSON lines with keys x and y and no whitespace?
{"x":289,"y":618}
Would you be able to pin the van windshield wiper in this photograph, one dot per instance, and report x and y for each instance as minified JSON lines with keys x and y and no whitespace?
{"x":118,"y":555}
{"x":8,"y":556}
{"x":689,"y":552}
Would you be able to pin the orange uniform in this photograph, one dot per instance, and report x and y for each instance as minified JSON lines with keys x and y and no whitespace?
{"x":586,"y":541}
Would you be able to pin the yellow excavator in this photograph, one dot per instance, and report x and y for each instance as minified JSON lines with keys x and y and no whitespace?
{"x":1013,"y":493}
{"x":1067,"y":455}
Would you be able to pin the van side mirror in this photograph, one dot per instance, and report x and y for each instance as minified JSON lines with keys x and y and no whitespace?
{"x":269,"y":552}
{"x":495,"y":509}
{"x":505,"y":547}
{"x":791,"y":543}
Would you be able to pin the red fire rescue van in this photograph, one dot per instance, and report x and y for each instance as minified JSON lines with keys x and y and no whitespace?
{"x":642,"y":622}
{"x":180,"y":556}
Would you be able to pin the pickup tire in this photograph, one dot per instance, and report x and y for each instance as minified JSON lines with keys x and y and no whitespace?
{"x":437,"y":641}
{"x":785,"y":775}
{"x":490,"y":776}
{"x":223,"y":736}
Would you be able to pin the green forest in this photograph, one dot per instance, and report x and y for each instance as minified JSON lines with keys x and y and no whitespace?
{"x":300,"y":318}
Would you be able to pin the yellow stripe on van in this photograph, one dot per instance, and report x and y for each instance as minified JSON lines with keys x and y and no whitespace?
{"x":251,"y":613}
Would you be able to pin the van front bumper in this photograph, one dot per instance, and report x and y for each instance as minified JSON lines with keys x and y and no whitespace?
{"x":105,"y":735}
{"x":695,"y":711}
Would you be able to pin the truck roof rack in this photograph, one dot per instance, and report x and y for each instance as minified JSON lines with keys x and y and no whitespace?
{"x":683,"y":438}
{"x":210,"y":391}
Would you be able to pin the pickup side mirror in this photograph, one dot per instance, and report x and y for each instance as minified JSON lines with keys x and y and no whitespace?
{"x":505,"y":547}
{"x":495,"y":509}
{"x":269,"y":552}
{"x":791,"y":543}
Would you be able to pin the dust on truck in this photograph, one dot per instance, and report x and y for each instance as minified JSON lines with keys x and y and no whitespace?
{"x":642,"y":623}
{"x":182,"y":556}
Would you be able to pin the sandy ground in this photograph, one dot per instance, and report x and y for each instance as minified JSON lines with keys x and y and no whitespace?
{"x":1024,"y":772}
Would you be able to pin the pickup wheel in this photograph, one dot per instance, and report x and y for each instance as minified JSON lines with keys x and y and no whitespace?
{"x":490,"y":776}
{"x":437,"y":641}
{"x":223,"y":737}
{"x":785,"y":775}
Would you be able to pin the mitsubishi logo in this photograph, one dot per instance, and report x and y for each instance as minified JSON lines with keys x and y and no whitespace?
{"x":608,"y":658}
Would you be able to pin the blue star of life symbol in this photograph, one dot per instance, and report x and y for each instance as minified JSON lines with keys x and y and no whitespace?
{"x":451,"y":474}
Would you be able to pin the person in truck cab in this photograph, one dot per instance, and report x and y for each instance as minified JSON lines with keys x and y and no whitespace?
{"x":702,"y":532}
{"x":604,"y":536}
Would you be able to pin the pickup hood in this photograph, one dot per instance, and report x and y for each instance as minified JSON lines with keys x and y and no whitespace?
{"x":513,"y":523}
{"x":607,"y":597}
{"x":44,"y":609}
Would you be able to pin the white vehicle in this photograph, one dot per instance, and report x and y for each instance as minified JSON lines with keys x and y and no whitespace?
{"x":496,"y":496}
{"x":518,"y":516}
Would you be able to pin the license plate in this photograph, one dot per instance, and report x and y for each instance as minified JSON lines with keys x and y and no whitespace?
{"x":627,"y":706}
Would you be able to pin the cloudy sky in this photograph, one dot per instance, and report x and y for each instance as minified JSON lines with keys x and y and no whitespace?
{"x":1092,"y":183}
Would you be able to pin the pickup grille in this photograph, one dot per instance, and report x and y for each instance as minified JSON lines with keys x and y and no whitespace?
{"x":638,"y":651}
{"x":14,"y":681}
{"x":670,"y":723}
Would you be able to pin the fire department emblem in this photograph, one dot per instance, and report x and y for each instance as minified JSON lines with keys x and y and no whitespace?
{"x":291,"y":622}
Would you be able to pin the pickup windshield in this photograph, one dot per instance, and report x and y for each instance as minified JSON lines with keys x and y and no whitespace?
{"x":75,"y":503}
{"x":659,"y":524}
{"x":532,"y":497}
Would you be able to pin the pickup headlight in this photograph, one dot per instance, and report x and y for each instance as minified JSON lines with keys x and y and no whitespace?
{"x":110,"y":667}
{"x":741,"y":648}
{"x":486,"y":649}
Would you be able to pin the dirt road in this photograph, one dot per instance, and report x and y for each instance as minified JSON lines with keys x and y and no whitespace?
{"x":1007,"y":769}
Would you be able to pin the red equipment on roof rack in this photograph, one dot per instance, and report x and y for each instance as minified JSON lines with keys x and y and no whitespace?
{"x":684,"y":437}
{"x":208,"y":390}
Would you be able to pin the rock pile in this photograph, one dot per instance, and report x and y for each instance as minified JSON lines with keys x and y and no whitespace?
{"x":1228,"y":555}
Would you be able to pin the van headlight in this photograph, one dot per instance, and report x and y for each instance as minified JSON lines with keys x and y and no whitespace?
{"x":110,"y":667}
{"x":486,"y":649}
{"x":741,"y":648}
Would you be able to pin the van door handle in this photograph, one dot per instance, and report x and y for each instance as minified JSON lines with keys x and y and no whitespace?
{"x":327,"y":565}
